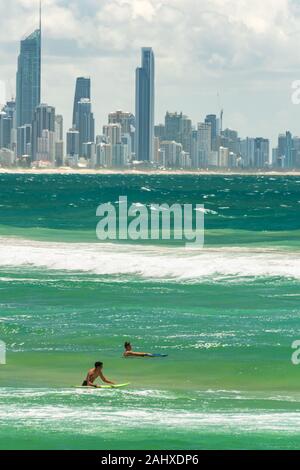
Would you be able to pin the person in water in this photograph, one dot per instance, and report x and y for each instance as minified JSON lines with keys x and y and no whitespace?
{"x":93,"y":374}
{"x":129,"y":353}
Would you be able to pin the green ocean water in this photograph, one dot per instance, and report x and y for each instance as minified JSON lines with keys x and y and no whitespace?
{"x":226,"y":315}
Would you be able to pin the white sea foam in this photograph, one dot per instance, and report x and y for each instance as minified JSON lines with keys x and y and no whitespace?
{"x":110,"y":418}
{"x":151,"y":262}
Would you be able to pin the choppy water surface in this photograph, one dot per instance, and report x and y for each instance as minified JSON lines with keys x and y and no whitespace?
{"x":226,"y":315}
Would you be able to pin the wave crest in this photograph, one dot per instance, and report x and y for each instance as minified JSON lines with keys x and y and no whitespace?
{"x":151,"y":262}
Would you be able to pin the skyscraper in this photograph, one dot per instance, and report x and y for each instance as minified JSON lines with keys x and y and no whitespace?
{"x":223,"y":157}
{"x":82,"y":91}
{"x":85,"y":123}
{"x":59,"y":127}
{"x":203,"y":149}
{"x":178,"y":127}
{"x":59,"y":139}
{"x":72,"y":146}
{"x":230,"y":139}
{"x":29,"y":77}
{"x":296,"y":147}
{"x":212,"y":120}
{"x":43,"y":133}
{"x":172,"y":125}
{"x":113,"y":133}
{"x":160,"y":132}
{"x":286,"y":153}
{"x":10,"y":110}
{"x":247,"y":151}
{"x":172,"y":151}
{"x":6,"y":126}
{"x":262,"y":153}
{"x":127,"y":120}
{"x":127,"y":123}
{"x":24,"y":140}
{"x":145,"y":91}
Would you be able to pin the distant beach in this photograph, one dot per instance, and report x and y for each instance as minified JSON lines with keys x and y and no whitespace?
{"x":103,"y":171}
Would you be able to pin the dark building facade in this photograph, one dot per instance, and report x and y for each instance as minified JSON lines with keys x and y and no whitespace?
{"x":145,"y":90}
{"x":28,"y":78}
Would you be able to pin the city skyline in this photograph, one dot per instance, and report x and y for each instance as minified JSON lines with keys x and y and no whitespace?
{"x":193,"y":87}
{"x":178,"y":143}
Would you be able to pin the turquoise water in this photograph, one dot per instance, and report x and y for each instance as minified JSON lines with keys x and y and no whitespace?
{"x":226,"y":315}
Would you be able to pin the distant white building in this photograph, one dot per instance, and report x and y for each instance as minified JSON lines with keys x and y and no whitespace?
{"x":125,"y":119}
{"x":120,"y":155}
{"x":185,"y":161}
{"x":113,"y":133}
{"x":247,"y":151}
{"x":223,"y":157}
{"x":104,"y":155}
{"x":203,"y":148}
{"x":213,"y":159}
{"x":172,"y":151}
{"x":7,"y":157}
{"x":46,"y":147}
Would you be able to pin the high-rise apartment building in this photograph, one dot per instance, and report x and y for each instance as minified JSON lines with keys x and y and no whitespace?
{"x":203,"y":147}
{"x":113,"y":133}
{"x":213,"y":121}
{"x":125,"y":119}
{"x":82,"y":91}
{"x":85,"y":123}
{"x":262,"y":153}
{"x":43,"y":133}
{"x":145,"y":91}
{"x":73,"y":146}
{"x":29,"y":78}
{"x":178,"y":127}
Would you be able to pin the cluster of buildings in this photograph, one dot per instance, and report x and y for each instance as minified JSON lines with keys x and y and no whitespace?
{"x":179,"y":144}
{"x":32,"y":134}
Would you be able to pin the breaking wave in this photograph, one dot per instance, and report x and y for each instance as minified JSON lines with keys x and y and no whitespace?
{"x":151,"y":262}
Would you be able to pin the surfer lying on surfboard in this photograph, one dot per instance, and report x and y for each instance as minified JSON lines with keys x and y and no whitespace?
{"x":93,"y":374}
{"x":129,"y":353}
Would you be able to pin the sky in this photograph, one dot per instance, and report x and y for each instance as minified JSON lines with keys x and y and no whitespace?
{"x":210,"y":54}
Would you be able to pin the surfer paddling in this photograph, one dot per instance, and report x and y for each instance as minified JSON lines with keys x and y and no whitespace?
{"x":93,"y":374}
{"x":129,"y":353}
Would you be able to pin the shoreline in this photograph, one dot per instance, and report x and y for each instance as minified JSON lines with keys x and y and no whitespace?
{"x":150,"y":172}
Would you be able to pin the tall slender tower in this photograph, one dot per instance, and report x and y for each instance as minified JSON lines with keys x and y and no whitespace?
{"x":28,"y":95}
{"x":145,"y":96}
{"x":82,"y":91}
{"x":85,"y":123}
